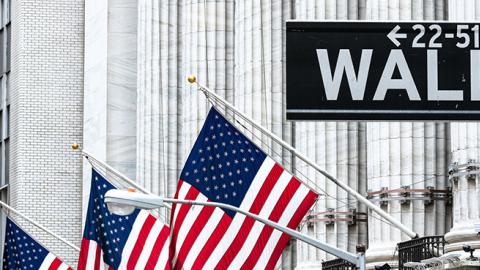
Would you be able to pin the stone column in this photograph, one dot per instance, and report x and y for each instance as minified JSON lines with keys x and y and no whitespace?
{"x":406,"y":154}
{"x":465,"y":148}
{"x":158,"y":90}
{"x":340,"y":148}
{"x":110,"y":75}
{"x":175,"y":39}
{"x":260,"y":79}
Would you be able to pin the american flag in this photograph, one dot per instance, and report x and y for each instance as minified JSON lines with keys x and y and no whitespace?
{"x":136,"y":241}
{"x":224,"y":166}
{"x":23,"y":252}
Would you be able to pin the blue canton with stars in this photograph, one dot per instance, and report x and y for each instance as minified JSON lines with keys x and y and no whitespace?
{"x":223,"y":162}
{"x":21,"y":251}
{"x":110,"y":231}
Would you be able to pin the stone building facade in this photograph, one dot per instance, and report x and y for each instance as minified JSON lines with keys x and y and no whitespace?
{"x":111,"y":74}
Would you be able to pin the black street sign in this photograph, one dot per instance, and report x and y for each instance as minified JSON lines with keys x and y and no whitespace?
{"x":383,"y":71}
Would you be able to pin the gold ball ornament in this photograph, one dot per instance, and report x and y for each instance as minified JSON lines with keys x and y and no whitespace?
{"x":75,"y":146}
{"x":192,"y":79}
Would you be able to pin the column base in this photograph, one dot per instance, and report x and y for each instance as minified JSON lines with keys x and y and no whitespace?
{"x":463,"y":234}
{"x":309,"y":265}
{"x":382,"y":253}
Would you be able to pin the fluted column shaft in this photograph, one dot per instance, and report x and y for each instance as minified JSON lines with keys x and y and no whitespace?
{"x":340,"y":148}
{"x":405,"y":154}
{"x":465,"y":147}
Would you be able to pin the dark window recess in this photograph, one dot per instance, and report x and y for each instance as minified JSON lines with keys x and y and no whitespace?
{"x":7,"y":160}
{"x":9,"y":37}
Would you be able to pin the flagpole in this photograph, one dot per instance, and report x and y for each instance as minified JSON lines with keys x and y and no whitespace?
{"x":209,"y":93}
{"x":40,"y":226}
{"x":122,"y":176}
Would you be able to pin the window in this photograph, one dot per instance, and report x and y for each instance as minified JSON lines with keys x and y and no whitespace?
{"x":8,"y":32}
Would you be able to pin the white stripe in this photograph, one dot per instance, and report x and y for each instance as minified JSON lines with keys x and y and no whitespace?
{"x":237,"y":221}
{"x":163,"y":259}
{"x":203,"y":237}
{"x":149,"y":243}
{"x":187,"y":224}
{"x":257,"y":227}
{"x":92,"y":251}
{"x":287,"y":215}
{"x":182,"y":193}
{"x":63,"y":266}
{"x":47,"y":261}
{"x":132,"y":238}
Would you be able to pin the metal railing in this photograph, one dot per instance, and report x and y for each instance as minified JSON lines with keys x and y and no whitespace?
{"x":338,"y":264}
{"x":419,"y":249}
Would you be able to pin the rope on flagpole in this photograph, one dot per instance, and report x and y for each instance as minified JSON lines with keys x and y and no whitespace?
{"x":36,"y":224}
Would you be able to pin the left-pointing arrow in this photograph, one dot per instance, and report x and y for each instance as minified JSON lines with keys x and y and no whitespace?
{"x":394,"y":36}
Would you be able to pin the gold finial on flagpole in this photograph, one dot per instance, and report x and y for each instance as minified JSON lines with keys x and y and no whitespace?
{"x":192,"y":79}
{"x":75,"y":146}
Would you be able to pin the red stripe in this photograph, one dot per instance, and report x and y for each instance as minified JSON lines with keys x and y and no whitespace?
{"x":55,"y":264}
{"x":174,"y":205}
{"x":212,"y":242}
{"x":182,"y":213}
{"x":157,"y":248}
{"x":277,"y":212}
{"x":172,"y":221}
{"x":247,"y":224}
{"x":192,"y":235}
{"x":98,"y":254}
{"x":299,"y":214}
{"x":142,"y":237}
{"x":82,"y":260}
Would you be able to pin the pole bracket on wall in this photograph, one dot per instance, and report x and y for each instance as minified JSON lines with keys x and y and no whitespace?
{"x":406,"y":194}
{"x":331,"y":216}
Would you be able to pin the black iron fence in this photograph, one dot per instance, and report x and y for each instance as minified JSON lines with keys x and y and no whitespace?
{"x":419,"y":249}
{"x":338,"y":264}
